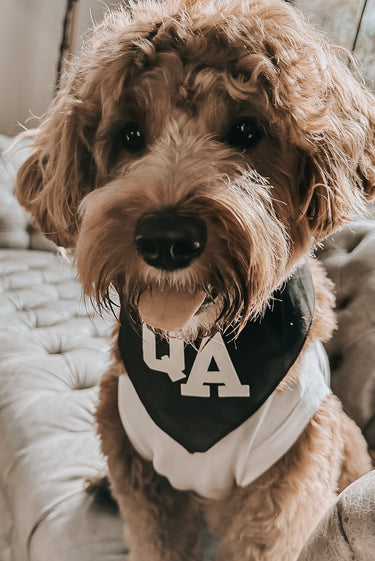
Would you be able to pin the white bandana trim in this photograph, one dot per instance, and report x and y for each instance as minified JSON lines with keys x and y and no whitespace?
{"x":243,"y":454}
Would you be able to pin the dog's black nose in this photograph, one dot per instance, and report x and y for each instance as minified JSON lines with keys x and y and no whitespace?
{"x":169,"y":240}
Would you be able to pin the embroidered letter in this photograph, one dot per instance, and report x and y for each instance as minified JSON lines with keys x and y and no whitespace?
{"x":200,"y":377}
{"x":173,"y":365}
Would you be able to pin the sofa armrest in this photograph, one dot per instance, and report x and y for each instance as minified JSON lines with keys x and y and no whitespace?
{"x":346,"y":532}
{"x":16,"y":229}
{"x":349,"y":258}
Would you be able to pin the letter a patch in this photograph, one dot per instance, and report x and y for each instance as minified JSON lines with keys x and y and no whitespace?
{"x":225,"y":377}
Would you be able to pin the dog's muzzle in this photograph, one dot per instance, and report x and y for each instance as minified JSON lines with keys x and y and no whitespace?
{"x":169,"y":240}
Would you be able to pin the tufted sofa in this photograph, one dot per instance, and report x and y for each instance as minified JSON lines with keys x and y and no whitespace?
{"x":52,"y":353}
{"x":53,"y":350}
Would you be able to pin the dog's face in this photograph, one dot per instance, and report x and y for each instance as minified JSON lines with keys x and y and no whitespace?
{"x":195,"y":154}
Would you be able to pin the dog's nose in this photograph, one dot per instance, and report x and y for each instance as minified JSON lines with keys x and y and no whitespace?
{"x":168,"y":240}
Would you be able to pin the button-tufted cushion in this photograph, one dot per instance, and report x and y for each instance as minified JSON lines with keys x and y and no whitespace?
{"x":52,"y":355}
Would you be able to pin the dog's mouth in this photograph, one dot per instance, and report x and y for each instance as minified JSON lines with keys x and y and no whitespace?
{"x":170,"y":308}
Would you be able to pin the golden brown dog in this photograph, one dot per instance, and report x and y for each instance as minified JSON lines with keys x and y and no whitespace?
{"x":195,"y":154}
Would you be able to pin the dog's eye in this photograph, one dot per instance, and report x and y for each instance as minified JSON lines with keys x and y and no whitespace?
{"x":132,"y":137}
{"x":245,"y":133}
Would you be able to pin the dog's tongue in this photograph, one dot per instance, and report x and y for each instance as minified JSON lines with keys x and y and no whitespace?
{"x":168,"y":309}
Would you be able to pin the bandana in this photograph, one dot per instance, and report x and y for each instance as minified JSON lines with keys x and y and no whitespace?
{"x":198,"y":393}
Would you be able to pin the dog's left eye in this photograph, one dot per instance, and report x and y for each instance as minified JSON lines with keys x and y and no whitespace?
{"x":132,"y":137}
{"x":245,"y":133}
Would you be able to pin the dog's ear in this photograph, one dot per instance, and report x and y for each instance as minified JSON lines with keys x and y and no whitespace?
{"x":67,"y":162}
{"x":61,"y":170}
{"x":338,"y":174}
{"x":327,"y":112}
{"x":320,"y":107}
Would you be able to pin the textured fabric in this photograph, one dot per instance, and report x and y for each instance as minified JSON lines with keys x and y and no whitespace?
{"x":244,"y":453}
{"x":51,"y":357}
{"x":16,"y":229}
{"x":349,"y":257}
{"x":347,"y":531}
{"x":5,"y":529}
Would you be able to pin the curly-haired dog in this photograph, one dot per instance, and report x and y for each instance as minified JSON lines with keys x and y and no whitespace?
{"x":195,"y":154}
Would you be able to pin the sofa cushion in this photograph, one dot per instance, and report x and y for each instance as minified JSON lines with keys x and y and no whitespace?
{"x":52,"y":354}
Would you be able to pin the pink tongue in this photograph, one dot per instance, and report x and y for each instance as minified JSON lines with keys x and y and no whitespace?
{"x":168,"y":309}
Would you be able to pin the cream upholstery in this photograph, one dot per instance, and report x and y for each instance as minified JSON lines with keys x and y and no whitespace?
{"x":52,"y":353}
{"x":16,"y":229}
{"x":51,"y":357}
{"x":347,"y":531}
{"x":349,"y":257}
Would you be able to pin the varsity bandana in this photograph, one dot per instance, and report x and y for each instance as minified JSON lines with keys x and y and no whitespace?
{"x":198,"y":393}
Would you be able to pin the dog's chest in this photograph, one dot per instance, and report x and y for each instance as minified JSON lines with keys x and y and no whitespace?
{"x":199,"y":393}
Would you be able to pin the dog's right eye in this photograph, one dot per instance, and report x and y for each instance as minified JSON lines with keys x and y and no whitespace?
{"x":132,"y":137}
{"x":245,"y":133}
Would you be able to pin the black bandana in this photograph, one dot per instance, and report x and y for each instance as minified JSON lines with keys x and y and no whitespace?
{"x":199,"y":393}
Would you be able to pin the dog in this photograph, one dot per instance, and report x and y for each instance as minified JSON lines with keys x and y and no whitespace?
{"x":196,"y":154}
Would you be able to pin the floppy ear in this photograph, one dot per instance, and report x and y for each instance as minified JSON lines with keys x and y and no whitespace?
{"x":339,"y":175}
{"x":326,"y":113}
{"x":67,"y":160}
{"x":53,"y":180}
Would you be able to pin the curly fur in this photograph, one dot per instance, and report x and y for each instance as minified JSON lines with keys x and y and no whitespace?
{"x":184,"y":71}
{"x":260,"y":56}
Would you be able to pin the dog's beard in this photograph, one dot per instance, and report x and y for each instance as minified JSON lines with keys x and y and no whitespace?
{"x":245,"y":258}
